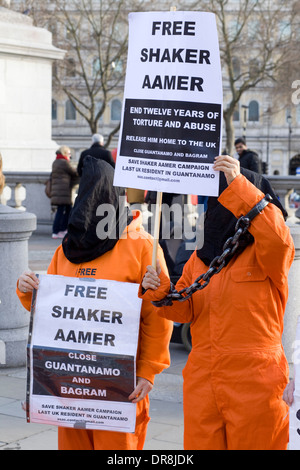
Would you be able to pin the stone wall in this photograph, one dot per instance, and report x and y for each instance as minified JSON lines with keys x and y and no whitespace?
{"x":26,"y":56}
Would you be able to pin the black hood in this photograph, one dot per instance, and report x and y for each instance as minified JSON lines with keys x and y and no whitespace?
{"x":219,"y":223}
{"x":90,"y":235}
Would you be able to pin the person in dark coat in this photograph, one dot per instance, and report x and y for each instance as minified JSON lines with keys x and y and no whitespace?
{"x":64,"y":176}
{"x":97,"y":151}
{"x":248,"y":159}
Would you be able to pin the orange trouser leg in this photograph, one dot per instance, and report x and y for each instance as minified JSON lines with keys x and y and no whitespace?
{"x":257,"y":418}
{"x":253,"y":422}
{"x":204,"y":428}
{"x":237,"y":404}
{"x":75,"y":439}
{"x":249,"y":390}
{"x":79,"y":439}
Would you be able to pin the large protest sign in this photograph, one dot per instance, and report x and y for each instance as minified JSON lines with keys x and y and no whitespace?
{"x":295,"y":408}
{"x":172,"y":111}
{"x":82,"y":352}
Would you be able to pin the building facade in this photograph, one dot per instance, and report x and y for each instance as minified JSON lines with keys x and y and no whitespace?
{"x":272,"y":129}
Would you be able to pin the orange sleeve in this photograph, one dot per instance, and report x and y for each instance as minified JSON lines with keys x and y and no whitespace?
{"x":25,"y":298}
{"x":181,"y":312}
{"x":155,"y":332}
{"x":273,"y":241}
{"x":52,"y":268}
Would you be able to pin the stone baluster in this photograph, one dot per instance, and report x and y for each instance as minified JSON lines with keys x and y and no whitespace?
{"x":16,"y":194}
{"x":6,"y":195}
{"x":15,"y":229}
{"x":20,"y":196}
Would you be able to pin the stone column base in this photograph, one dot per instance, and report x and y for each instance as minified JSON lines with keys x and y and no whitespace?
{"x":13,"y":345}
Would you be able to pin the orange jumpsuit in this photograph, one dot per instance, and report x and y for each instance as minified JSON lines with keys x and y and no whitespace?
{"x":126,"y":262}
{"x":236,"y":372}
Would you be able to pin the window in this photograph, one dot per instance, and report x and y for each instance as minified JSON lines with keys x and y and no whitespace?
{"x":54,"y":110}
{"x":117,"y":67}
{"x":288,"y":115}
{"x":96,"y":66}
{"x":54,"y":68}
{"x":233,"y":29}
{"x":253,"y":68}
{"x":253,"y":111}
{"x":236,"y":113}
{"x":298,"y":113}
{"x":69,"y":33}
{"x":116,"y":108}
{"x":285,"y":30}
{"x":236,"y":67}
{"x":52,"y":27}
{"x":70,"y":111}
{"x":98,"y":106}
{"x":253,"y":29}
{"x":71,"y":68}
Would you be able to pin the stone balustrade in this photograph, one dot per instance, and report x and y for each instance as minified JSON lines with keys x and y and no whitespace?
{"x":26,"y":191}
{"x":283,"y":187}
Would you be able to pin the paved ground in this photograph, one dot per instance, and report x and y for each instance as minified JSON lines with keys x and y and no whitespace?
{"x":165,"y":431}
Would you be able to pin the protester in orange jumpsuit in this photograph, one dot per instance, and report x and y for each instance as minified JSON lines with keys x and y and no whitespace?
{"x":236,"y":372}
{"x":121,"y":258}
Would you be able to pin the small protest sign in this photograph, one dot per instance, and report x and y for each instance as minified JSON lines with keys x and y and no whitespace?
{"x":82,"y":353}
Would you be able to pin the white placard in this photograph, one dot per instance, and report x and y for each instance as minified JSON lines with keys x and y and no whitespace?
{"x":294,"y":440}
{"x":172,"y":112}
{"x":82,"y":353}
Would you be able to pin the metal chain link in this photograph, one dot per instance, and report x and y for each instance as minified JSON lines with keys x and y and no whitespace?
{"x":229,"y":248}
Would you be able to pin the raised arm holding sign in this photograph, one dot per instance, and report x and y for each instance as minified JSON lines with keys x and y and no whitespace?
{"x":233,"y":292}
{"x":172,"y":113}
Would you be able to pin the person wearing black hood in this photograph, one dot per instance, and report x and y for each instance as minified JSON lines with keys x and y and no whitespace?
{"x":120,"y":251}
{"x":237,"y":370}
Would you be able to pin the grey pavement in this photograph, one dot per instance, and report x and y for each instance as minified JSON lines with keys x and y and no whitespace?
{"x":165,"y":430}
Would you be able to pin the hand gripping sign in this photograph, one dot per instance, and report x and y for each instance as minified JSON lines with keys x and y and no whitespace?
{"x":82,"y":353}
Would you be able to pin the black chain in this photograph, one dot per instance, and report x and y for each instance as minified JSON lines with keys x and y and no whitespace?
{"x":218,"y":263}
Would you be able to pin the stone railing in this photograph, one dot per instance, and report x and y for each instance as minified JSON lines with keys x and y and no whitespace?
{"x":26,"y":191}
{"x":284,"y":186}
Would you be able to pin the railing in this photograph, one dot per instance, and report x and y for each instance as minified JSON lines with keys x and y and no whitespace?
{"x":18,"y":186}
{"x":26,"y":191}
{"x":284,"y":186}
